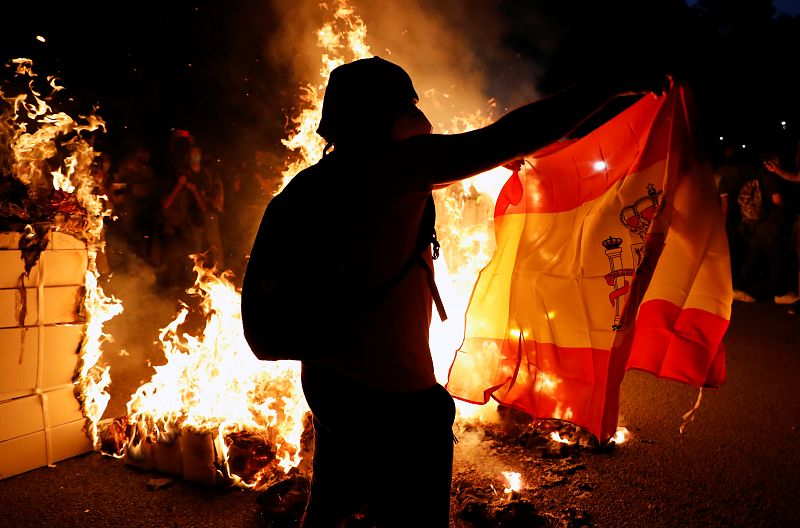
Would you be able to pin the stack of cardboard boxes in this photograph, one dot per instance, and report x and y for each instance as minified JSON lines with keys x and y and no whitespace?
{"x":41,"y":329}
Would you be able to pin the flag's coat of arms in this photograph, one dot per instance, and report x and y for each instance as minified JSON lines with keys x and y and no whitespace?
{"x":637,"y":218}
{"x":611,"y":255}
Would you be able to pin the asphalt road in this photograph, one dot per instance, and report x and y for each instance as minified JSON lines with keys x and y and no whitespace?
{"x":736,"y":465}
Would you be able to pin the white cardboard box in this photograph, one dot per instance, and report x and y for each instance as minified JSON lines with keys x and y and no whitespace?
{"x":56,"y":347}
{"x":41,"y":329}
{"x":40,"y":429}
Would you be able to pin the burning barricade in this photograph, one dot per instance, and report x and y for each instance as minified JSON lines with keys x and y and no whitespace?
{"x":213,"y":412}
{"x":52,"y":311}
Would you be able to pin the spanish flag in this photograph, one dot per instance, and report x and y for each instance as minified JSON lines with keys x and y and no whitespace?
{"x":611,"y":255}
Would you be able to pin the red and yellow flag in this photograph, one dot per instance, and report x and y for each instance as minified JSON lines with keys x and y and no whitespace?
{"x":611,"y":255}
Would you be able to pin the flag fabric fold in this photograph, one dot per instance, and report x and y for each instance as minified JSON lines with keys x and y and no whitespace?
{"x":611,"y":255}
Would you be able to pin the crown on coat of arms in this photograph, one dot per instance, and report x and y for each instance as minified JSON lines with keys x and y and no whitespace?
{"x":638,"y":216}
{"x":612,"y":243}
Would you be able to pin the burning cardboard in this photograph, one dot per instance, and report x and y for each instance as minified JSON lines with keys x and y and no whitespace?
{"x":51,"y":309}
{"x":212,"y":412}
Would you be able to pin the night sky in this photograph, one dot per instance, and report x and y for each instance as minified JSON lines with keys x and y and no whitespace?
{"x":215,"y":68}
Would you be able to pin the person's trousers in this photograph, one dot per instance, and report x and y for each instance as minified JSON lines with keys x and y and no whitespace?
{"x":388,"y":455}
{"x":767,"y":250}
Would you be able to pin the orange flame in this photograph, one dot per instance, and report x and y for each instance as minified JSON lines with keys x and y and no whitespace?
{"x":621,"y":436}
{"x":342,"y":39}
{"x":213,"y":384}
{"x":513,"y":482}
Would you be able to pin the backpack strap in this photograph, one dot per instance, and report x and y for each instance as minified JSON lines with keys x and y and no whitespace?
{"x":425,"y":237}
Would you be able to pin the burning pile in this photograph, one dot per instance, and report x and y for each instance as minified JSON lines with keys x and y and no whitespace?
{"x":46,"y":162}
{"x":214,"y":410}
{"x":54,"y":206}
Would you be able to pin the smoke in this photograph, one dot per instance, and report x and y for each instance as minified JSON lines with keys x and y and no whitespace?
{"x":133,"y":333}
{"x":453,"y":50}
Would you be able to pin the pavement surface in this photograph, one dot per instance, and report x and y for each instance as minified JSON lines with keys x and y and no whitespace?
{"x":736,"y":465}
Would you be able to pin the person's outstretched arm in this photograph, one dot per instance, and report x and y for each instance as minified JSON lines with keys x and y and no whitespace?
{"x":783,"y":173}
{"x":436,"y":159}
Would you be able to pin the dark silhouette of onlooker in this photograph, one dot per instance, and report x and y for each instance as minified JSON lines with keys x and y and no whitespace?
{"x":766,"y":223}
{"x":732,"y":174}
{"x":184,"y":210}
{"x":213,"y":193}
{"x":102,"y":176}
{"x":192,"y":209}
{"x":790,"y":173}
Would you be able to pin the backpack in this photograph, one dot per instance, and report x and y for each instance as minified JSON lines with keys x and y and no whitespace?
{"x":299,"y":302}
{"x":750,"y":202}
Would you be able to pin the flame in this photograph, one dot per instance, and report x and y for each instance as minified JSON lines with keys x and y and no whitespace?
{"x":213,"y":384}
{"x":343,"y":39}
{"x":621,"y":436}
{"x":93,"y":379}
{"x":513,"y":482}
{"x":37,"y":137}
{"x":555,"y":437}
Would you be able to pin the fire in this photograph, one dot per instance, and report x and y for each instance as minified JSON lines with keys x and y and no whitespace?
{"x":468,"y":239}
{"x":621,"y":436}
{"x":513,"y":482}
{"x":343,"y":39}
{"x":213,"y":385}
{"x":38,"y":137}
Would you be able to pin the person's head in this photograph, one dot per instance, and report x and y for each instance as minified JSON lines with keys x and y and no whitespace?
{"x":370,"y":101}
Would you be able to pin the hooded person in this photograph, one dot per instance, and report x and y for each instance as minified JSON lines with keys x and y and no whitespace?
{"x":362,"y":219}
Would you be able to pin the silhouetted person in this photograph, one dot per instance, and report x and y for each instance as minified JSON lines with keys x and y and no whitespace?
{"x":213,"y":194}
{"x":765,"y":227}
{"x":184,"y":207}
{"x":791,"y":175}
{"x":107,"y":257}
{"x":382,"y":424}
{"x":733,"y":173}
